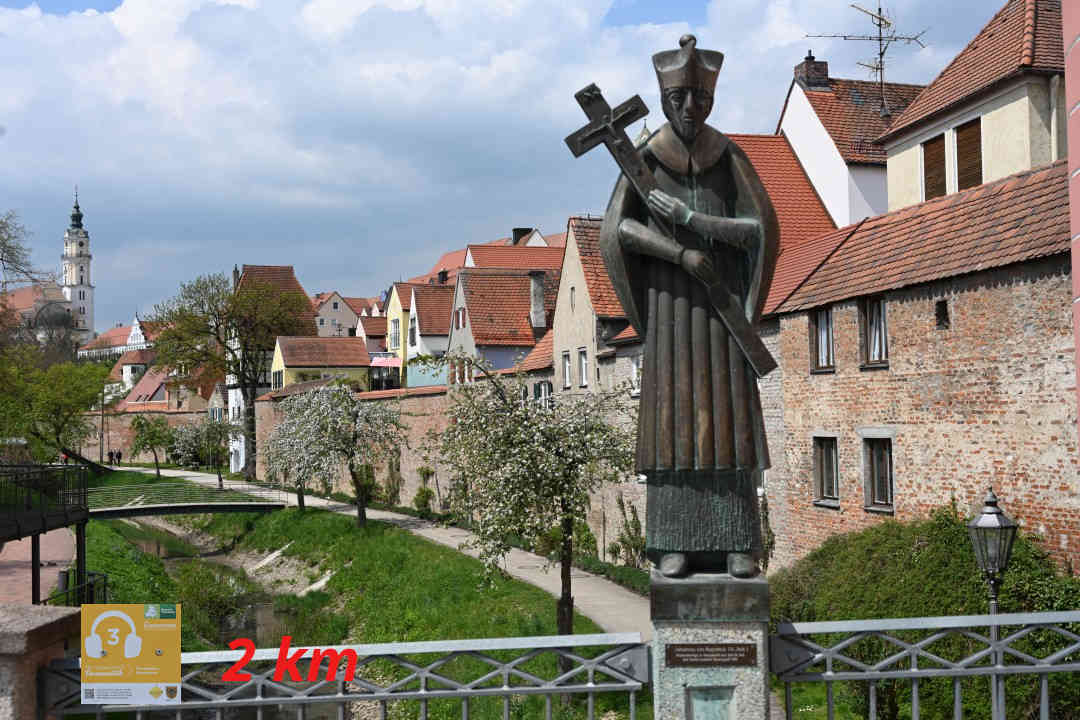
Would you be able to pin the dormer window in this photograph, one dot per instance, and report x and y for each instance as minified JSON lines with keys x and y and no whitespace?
{"x":934,"y":167}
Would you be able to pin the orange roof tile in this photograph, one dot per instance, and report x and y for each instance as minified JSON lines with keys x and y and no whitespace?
{"x":1017,"y":218}
{"x":556,"y":240}
{"x":586,"y":232}
{"x":402,"y":392}
{"x":284,"y":279}
{"x":144,"y":389}
{"x":498,"y":302}
{"x":850,"y":112}
{"x":113,"y":337}
{"x":26,"y":297}
{"x":516,"y":256}
{"x":324,"y":352}
{"x":374,"y":326}
{"x":434,"y":305}
{"x":627,"y":335}
{"x":359,"y":304}
{"x":1024,"y":36}
{"x":404,"y":293}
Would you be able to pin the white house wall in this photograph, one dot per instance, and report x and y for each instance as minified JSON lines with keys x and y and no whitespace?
{"x":868,"y":192}
{"x":817,"y":152}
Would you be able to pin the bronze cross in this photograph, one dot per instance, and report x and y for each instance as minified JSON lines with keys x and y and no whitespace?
{"x":608,"y":126}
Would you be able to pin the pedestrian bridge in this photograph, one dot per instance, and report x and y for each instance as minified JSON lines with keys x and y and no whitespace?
{"x":176,"y":496}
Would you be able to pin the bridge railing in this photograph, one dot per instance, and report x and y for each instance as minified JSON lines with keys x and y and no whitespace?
{"x":38,"y":498}
{"x":960,"y":651}
{"x":417,"y":674}
{"x":181,"y":492}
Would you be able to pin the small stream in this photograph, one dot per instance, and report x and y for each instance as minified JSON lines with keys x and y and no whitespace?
{"x":258,"y":620}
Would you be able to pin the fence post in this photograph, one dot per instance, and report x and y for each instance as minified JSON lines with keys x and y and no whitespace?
{"x":30,"y":636}
{"x":710,"y":650}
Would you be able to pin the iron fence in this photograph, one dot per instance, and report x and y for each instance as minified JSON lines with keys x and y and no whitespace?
{"x":948,"y":649}
{"x":73,"y":594}
{"x":181,"y":492}
{"x":38,"y":498}
{"x":419,"y":674}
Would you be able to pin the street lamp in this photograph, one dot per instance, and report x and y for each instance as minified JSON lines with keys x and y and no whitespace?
{"x":992,"y":533}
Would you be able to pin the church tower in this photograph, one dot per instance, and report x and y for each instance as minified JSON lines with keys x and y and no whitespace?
{"x":75,"y":273}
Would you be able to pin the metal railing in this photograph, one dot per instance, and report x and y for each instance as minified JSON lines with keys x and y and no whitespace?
{"x":94,"y":590}
{"x":38,"y":498}
{"x":462,"y":672}
{"x":953,"y":648}
{"x":181,"y":492}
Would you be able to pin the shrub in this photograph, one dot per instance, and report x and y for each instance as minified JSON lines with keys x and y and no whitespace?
{"x":927,"y":568}
{"x":422,"y":501}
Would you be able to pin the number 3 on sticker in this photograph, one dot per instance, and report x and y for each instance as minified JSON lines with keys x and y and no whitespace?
{"x":233,"y":674}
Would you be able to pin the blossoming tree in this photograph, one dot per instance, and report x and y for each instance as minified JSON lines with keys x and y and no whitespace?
{"x":529,"y":464}
{"x":326,"y":429}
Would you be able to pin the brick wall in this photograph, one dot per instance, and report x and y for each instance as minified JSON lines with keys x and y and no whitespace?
{"x":991,"y":400}
{"x":420,"y":413}
{"x":1070,"y":26}
{"x":772,"y":406}
{"x":119,"y":435}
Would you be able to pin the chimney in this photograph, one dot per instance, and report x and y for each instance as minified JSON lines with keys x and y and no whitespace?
{"x":537,"y":316}
{"x":444,"y":274}
{"x":813,"y":74}
{"x":235,"y":276}
{"x":518,"y":234}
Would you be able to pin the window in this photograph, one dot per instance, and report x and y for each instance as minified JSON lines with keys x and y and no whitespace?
{"x":335,"y":305}
{"x":941,"y":314}
{"x":322,"y":321}
{"x":873,"y":333}
{"x":542,"y":393}
{"x":412,"y":331}
{"x":82,"y":310}
{"x":572,"y":298}
{"x":566,"y":369}
{"x":352,"y":332}
{"x":879,"y":473}
{"x":821,"y":340}
{"x":279,"y":379}
{"x":635,"y":375}
{"x":934,"y":167}
{"x":825,"y":467}
{"x":969,"y":154}
{"x":583,"y":366}
{"x":395,"y":334}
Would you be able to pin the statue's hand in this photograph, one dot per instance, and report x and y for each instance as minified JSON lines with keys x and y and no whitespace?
{"x":699,"y":265}
{"x":669,"y":208}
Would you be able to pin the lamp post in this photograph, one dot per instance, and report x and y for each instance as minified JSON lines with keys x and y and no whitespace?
{"x":992,"y":533}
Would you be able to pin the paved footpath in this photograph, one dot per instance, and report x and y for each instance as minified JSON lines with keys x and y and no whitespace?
{"x":611,"y":606}
{"x":57,"y":553}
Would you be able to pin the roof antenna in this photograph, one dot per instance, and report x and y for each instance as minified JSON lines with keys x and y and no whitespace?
{"x":886,"y":35}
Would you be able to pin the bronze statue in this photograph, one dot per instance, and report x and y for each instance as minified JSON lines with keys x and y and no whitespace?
{"x":690,"y":240}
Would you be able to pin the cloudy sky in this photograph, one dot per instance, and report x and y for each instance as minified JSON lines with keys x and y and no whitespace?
{"x":358,"y":139}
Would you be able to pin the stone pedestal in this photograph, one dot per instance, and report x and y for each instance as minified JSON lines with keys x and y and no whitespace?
{"x":710,"y":642}
{"x":30,"y":636}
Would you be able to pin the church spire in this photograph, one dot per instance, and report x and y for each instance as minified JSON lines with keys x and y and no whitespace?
{"x":76,"y":213}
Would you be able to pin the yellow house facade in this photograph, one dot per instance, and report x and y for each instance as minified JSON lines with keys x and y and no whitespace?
{"x":300,"y":359}
{"x":398,"y":308}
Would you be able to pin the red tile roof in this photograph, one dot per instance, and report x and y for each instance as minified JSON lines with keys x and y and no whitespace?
{"x":434,"y":305}
{"x":319,"y":298}
{"x":324,"y":352}
{"x":1020,"y":217}
{"x":284,"y":279}
{"x":556,"y":240}
{"x":295,"y":389}
{"x":402,"y":392}
{"x":404,"y":293}
{"x":26,"y":297}
{"x":851,"y":113}
{"x":451,"y":262}
{"x":1025,"y":35}
{"x":113,"y":337}
{"x":516,"y":256}
{"x":359,"y":304}
{"x":498,"y":302}
{"x":586,"y":232}
{"x":144,"y":389}
{"x":374,"y":326}
{"x":628,"y":335}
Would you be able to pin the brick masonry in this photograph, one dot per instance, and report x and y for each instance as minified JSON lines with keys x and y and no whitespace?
{"x":1070,"y":29}
{"x":119,"y":435}
{"x":991,"y":400}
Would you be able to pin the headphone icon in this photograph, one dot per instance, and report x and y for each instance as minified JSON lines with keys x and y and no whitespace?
{"x":94,"y":643}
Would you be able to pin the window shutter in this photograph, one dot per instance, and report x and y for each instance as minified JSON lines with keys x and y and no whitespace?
{"x":536,"y":391}
{"x":969,"y":154}
{"x":934,"y":167}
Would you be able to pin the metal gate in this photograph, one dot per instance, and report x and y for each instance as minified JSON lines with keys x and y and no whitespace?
{"x":451,"y":671}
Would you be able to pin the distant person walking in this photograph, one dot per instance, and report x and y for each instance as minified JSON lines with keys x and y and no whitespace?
{"x":118,"y":454}
{"x":112,"y":457}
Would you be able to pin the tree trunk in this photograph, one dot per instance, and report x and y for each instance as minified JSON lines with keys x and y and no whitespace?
{"x":564,"y":613}
{"x":249,"y":432}
{"x":157,"y":468}
{"x":217,"y":465}
{"x":300,"y":497}
{"x":360,"y":492}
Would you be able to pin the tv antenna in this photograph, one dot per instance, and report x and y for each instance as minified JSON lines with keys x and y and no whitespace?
{"x":886,"y":36}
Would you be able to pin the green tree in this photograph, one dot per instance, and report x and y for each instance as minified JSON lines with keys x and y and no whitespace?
{"x":215,"y":436}
{"x":151,"y":434}
{"x":211,"y":329}
{"x":532,"y":464}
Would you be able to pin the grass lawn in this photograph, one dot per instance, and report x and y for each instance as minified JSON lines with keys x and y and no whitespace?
{"x":394,"y":587}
